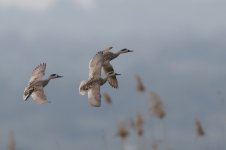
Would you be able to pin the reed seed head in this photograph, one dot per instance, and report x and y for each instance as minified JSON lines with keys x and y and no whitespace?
{"x":139,"y":122}
{"x":154,"y":146}
{"x":107,"y":98}
{"x":157,"y":107}
{"x":199,"y":128}
{"x":123,"y":131}
{"x":140,"y":86}
{"x":12,"y":142}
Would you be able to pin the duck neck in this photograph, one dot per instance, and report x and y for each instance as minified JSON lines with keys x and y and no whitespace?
{"x":118,"y":53}
{"x":45,"y":82}
{"x":110,"y":56}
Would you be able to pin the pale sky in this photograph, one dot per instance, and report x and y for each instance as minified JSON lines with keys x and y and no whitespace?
{"x":179,"y":52}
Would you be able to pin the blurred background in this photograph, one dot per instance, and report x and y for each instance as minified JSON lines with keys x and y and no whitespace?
{"x":179,"y":56}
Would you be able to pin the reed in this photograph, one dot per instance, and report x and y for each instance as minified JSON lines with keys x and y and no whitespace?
{"x":221,"y":103}
{"x":104,"y":139}
{"x":12,"y":142}
{"x":139,"y":122}
{"x":157,"y":108}
{"x":199,"y":128}
{"x":123,"y":131}
{"x":140,"y":86}
{"x":139,"y":128}
{"x":154,"y":146}
{"x":107,"y":98}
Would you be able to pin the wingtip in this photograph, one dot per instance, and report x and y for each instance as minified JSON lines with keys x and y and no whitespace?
{"x":82,"y":92}
{"x":25,"y":97}
{"x":115,"y":86}
{"x":43,"y":102}
{"x":95,"y":103}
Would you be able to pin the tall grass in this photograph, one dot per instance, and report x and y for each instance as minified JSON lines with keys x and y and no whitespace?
{"x":12,"y":141}
{"x":199,"y":128}
{"x":156,"y":108}
{"x":123,"y":133}
{"x":139,"y":86}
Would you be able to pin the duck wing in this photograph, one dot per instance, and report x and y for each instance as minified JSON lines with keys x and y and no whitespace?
{"x":95,"y":66}
{"x":107,"y":49}
{"x":112,"y":80}
{"x":94,"y":96}
{"x":38,"y":72}
{"x":39,"y":96}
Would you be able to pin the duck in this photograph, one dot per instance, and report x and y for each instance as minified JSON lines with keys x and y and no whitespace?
{"x":36,"y":84}
{"x":95,"y":81}
{"x":107,"y":67}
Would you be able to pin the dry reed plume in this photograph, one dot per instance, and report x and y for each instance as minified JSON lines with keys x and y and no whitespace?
{"x":140,"y":85}
{"x":107,"y":98}
{"x":157,"y":107}
{"x":12,"y":142}
{"x":139,"y":121}
{"x":154,"y":146}
{"x":199,"y":128}
{"x":123,"y":131}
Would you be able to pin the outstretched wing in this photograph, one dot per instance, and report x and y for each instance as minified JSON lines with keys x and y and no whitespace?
{"x":107,"y":49}
{"x":112,"y":80}
{"x":38,"y":72}
{"x":39,"y":96}
{"x":27,"y":92}
{"x":94,"y":96}
{"x":95,"y":65}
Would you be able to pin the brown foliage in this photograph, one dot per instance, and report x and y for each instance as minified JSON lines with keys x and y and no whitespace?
{"x":123,"y":131}
{"x":12,"y":142}
{"x":107,"y":98}
{"x":140,"y":85}
{"x":139,"y":121}
{"x":199,"y":128}
{"x":157,"y":107}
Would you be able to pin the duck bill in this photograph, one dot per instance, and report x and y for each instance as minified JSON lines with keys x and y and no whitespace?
{"x":130,"y":50}
{"x":117,"y":74}
{"x":59,"y":76}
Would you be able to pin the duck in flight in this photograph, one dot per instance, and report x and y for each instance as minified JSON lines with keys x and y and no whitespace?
{"x":107,"y":67}
{"x":37,"y":83}
{"x":92,"y":86}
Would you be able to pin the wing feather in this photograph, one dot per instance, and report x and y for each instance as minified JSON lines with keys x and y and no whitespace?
{"x":94,"y":96}
{"x":38,"y":72}
{"x":112,"y":80}
{"x":95,"y":65}
{"x":39,"y":96}
{"x":107,"y":49}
